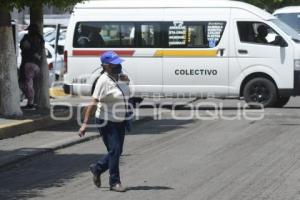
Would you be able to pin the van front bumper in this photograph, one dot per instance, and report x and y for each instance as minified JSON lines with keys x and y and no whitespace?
{"x":67,"y":88}
{"x":78,"y":89}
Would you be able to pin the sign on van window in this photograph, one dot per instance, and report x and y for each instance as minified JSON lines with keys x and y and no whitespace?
{"x":195,"y":34}
{"x":177,"y":34}
{"x":214,"y":33}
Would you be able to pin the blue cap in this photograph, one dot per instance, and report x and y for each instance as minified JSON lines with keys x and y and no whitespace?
{"x":111,"y":57}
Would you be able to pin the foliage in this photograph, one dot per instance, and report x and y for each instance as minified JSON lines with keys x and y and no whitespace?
{"x":272,"y":5}
{"x":64,"y":4}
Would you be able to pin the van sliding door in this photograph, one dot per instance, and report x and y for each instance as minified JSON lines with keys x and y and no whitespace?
{"x":195,"y":62}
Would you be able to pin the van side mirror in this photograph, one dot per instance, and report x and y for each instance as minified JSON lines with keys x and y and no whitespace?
{"x":280,"y":41}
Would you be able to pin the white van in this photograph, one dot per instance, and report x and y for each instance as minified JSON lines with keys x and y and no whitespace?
{"x":290,"y":15}
{"x":186,"y":48}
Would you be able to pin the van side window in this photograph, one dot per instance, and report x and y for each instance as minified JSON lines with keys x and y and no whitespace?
{"x":98,"y":34}
{"x":257,"y":33}
{"x":195,"y":34}
{"x":149,"y":34}
{"x":88,"y":35}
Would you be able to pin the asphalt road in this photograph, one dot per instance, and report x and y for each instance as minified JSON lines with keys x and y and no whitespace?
{"x":219,"y":155}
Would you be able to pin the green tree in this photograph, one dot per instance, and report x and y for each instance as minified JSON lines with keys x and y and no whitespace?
{"x":9,"y":90}
{"x":272,"y":5}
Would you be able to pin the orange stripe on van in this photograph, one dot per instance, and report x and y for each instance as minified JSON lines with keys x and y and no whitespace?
{"x":127,"y":53}
{"x":186,"y":53}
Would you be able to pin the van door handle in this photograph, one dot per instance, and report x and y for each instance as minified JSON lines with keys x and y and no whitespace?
{"x":242,"y":51}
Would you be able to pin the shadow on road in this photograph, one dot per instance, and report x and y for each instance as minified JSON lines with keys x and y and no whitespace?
{"x":28,"y":178}
{"x":68,"y":126}
{"x":138,"y":188}
{"x":290,"y":107}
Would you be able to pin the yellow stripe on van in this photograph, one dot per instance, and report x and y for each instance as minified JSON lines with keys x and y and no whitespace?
{"x":186,"y":53}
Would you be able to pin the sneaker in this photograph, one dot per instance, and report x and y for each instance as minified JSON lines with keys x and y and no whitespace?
{"x":118,"y":188}
{"x":96,"y":178}
{"x":29,"y":107}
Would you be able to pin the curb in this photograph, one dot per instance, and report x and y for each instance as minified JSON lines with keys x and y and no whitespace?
{"x":53,"y":148}
{"x":57,"y":92}
{"x":29,"y":125}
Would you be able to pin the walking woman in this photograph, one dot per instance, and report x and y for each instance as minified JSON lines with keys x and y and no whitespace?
{"x":110,"y":95}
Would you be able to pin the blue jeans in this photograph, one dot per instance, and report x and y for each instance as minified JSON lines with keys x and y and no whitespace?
{"x":113,"y":134}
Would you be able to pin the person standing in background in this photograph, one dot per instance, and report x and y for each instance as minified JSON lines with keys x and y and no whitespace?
{"x":31,"y":47}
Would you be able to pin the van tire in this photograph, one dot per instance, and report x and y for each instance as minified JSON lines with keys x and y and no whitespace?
{"x":281,"y":102}
{"x":260,"y":91}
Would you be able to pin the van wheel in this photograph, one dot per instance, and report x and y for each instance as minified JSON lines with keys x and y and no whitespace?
{"x":260,"y":91}
{"x":281,"y":102}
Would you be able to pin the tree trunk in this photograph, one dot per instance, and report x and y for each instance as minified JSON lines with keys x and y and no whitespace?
{"x":9,"y":87}
{"x":42,"y":97}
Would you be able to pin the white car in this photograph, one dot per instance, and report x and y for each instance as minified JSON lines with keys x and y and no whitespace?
{"x":55,"y":63}
{"x":46,"y":32}
{"x":290,"y":15}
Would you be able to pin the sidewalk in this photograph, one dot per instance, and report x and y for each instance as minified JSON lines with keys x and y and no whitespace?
{"x":31,"y":121}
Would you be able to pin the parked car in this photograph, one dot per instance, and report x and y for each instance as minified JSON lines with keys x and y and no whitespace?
{"x":49,"y":34}
{"x":55,"y":63}
{"x":290,"y":15}
{"x":61,"y":41}
{"x":46,"y":32}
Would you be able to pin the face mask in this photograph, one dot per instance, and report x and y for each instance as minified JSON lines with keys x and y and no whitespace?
{"x":117,"y":69}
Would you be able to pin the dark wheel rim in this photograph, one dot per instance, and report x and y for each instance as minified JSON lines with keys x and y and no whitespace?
{"x":259,"y":93}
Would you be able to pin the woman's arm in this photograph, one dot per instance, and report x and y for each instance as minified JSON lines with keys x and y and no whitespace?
{"x":87,"y":113}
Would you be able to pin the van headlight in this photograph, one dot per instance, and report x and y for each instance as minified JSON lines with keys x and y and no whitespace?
{"x":297,"y":65}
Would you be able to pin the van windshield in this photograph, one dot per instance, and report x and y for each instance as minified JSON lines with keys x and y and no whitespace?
{"x":287,"y":29}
